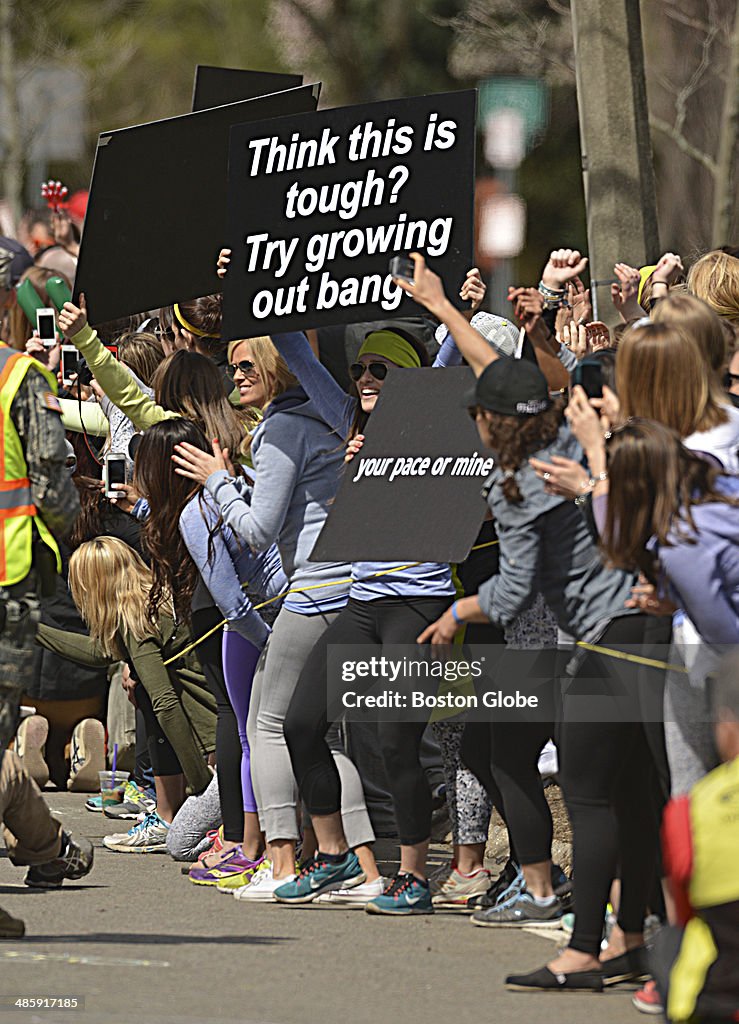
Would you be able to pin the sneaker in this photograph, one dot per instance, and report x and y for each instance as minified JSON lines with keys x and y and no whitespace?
{"x":405,"y":894}
{"x":149,"y":836}
{"x":508,"y":883}
{"x":548,"y":761}
{"x":74,"y":861}
{"x":10,"y":927}
{"x":233,"y":864}
{"x":240,"y":879}
{"x":87,"y":756}
{"x":648,"y":999}
{"x":320,"y":875}
{"x":30,"y":746}
{"x":567,"y":924}
{"x":458,"y":888}
{"x":135,"y":803}
{"x":357,"y":896}
{"x":522,"y":909}
{"x":262,"y":886}
{"x":94,"y":803}
{"x":215,"y":845}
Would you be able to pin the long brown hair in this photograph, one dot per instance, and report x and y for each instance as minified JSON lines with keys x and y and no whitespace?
{"x":662,"y":375}
{"x":694,"y":317}
{"x":174,"y":572}
{"x":655,"y":481}
{"x":192,"y":385}
{"x":515,"y":438}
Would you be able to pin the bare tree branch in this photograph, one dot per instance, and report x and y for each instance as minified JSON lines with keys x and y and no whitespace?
{"x":682,"y":143}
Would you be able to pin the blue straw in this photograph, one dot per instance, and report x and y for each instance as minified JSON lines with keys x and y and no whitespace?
{"x":115,"y":758}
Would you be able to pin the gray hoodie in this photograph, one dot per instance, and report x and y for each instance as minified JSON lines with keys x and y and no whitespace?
{"x":546,"y":547}
{"x":298,"y":461}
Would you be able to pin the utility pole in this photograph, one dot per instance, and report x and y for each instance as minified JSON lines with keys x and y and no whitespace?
{"x":13,"y":160}
{"x":618,"y":173}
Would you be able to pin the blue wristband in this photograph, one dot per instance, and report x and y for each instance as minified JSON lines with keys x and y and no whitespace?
{"x":455,"y":615}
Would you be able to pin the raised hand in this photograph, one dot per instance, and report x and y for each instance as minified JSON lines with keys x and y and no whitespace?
{"x":563,"y":266}
{"x":224,"y":258}
{"x":473,"y":289}
{"x":624,"y":294}
{"x":72,"y":318}
{"x":668,"y":269}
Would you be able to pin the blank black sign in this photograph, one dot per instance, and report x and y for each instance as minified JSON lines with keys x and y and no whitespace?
{"x":156,"y":217}
{"x":420,"y":472}
{"x":215,"y":86}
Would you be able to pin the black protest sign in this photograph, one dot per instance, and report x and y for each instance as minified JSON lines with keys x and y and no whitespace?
{"x":215,"y":86}
{"x":318,"y":205}
{"x":157,"y":207}
{"x":413,"y":492}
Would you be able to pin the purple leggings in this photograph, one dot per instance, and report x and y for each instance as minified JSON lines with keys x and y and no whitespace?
{"x":239,"y":662}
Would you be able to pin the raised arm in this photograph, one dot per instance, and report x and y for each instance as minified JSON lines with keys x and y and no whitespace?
{"x":334,"y":406}
{"x":113,"y":378}
{"x":428,"y":291}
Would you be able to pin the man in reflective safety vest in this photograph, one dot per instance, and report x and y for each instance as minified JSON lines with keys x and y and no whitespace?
{"x":37,"y":500}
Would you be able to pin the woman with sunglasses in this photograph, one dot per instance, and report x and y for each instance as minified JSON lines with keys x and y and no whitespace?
{"x":297,"y":460}
{"x":607,"y":768}
{"x":387,"y":603}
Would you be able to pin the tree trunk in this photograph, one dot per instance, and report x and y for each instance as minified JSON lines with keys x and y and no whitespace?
{"x":13,"y":169}
{"x":723,"y":193}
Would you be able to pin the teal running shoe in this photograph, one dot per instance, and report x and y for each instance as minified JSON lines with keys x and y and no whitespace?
{"x":405,"y":894}
{"x":320,"y":875}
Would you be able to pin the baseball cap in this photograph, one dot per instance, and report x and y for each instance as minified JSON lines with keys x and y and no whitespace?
{"x":501,"y":333}
{"x":510,"y":387}
{"x":14,"y":259}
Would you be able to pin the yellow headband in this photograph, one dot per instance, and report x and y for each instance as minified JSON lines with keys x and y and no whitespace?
{"x":189,"y":327}
{"x":392,"y":347}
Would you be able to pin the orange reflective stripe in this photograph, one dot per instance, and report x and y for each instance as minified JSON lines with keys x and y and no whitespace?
{"x":14,"y":485}
{"x":21,"y":510}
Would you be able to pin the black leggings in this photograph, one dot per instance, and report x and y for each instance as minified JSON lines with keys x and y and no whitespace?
{"x":385,"y":621}
{"x":504,"y":755}
{"x":609,"y":775}
{"x":228,"y":744}
{"x":163,"y":759}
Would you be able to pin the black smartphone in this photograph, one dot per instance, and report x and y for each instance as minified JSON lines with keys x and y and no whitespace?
{"x":71,"y":360}
{"x":589,"y":375}
{"x":403,"y":268}
{"x":114,"y":472}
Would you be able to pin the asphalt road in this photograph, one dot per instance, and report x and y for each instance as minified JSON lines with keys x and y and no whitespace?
{"x":141,"y":943}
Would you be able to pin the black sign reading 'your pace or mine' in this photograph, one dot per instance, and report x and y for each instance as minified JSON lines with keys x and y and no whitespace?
{"x":318,"y":205}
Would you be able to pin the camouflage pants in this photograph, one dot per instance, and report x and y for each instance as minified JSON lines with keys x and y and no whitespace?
{"x":18,"y":619}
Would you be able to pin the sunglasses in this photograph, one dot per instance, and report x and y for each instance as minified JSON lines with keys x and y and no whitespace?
{"x":378,"y":370}
{"x":730,"y":379}
{"x":246,"y":366}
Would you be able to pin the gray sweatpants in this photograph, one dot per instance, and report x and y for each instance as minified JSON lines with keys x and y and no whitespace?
{"x":292,"y":639}
{"x":187,"y":836}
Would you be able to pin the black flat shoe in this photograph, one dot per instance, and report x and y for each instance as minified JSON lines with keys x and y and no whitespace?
{"x":545,"y":980}
{"x":630,"y":966}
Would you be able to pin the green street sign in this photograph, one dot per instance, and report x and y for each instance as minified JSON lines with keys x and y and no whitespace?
{"x":528,"y":96}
